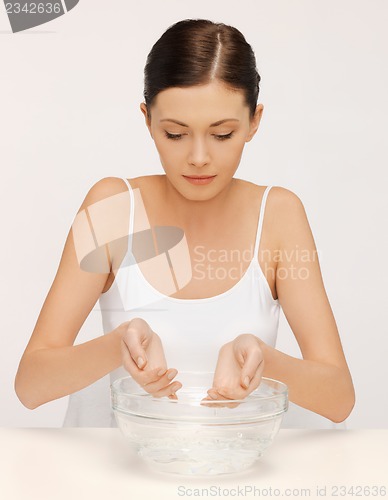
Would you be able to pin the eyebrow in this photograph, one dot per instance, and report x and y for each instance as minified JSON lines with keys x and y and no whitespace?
{"x":212,"y":125}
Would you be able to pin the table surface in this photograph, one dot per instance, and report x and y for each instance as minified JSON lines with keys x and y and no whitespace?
{"x":93,"y":463}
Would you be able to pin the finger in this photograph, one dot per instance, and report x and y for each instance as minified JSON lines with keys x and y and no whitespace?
{"x":167,"y":391}
{"x":227,"y":388}
{"x":244,"y":346}
{"x":228,"y":405}
{"x":255,"y":382}
{"x":147,"y":377}
{"x":216,"y":395}
{"x":237,"y":391}
{"x":155,"y":352}
{"x":132,"y":340}
{"x":142,"y":377}
{"x":137,"y":337}
{"x":229,"y":392}
{"x":128,"y":362}
{"x":155,"y":385}
{"x":218,"y":403}
{"x":208,"y":401}
{"x":213,"y":399}
{"x":253,"y":362}
{"x":213,"y":393}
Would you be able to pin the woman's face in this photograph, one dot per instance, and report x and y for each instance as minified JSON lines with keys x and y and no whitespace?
{"x":197,"y":145}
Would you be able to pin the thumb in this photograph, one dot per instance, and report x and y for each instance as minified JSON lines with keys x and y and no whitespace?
{"x":250,"y":367}
{"x":132,"y":342}
{"x":140,"y":358}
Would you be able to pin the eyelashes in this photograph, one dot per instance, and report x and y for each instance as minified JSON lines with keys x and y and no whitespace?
{"x":177,"y":137}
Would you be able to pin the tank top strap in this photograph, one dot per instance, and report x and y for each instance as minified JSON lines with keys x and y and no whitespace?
{"x":261,"y":218}
{"x":132,"y":208}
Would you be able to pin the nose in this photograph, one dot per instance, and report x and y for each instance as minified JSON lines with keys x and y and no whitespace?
{"x":199,"y":155}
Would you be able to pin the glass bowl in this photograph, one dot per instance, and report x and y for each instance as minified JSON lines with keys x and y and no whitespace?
{"x":185,"y":436}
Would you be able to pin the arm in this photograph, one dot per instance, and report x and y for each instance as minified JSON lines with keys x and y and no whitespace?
{"x":51,"y":367}
{"x":321,"y":381}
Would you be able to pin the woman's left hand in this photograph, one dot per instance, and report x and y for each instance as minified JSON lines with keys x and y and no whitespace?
{"x":239,"y":369}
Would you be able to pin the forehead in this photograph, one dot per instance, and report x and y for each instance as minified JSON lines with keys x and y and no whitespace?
{"x":207,"y":101}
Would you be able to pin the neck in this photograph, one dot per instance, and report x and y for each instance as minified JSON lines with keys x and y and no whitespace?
{"x":197,"y":213}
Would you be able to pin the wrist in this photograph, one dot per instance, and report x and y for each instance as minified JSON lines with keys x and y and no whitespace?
{"x":265,"y":348}
{"x":116,"y":337}
{"x":246,"y":336}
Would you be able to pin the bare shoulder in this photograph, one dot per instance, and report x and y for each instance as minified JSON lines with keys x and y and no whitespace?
{"x":283,"y":198}
{"x":284,"y":206}
{"x":103,"y":218}
{"x":284,"y":213}
{"x":103,"y":189}
{"x":288,"y":217}
{"x":281,"y":202}
{"x":278,"y":195}
{"x":109,"y":196}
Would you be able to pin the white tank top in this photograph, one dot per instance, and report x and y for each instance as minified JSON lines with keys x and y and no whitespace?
{"x":191,"y":330}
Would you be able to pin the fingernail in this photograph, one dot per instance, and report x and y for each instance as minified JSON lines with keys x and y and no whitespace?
{"x":161,"y":372}
{"x":213,"y":396}
{"x":140,"y":362}
{"x":171,"y":375}
{"x":246,"y":381}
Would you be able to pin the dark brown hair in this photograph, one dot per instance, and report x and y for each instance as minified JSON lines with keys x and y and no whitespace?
{"x":197,"y":51}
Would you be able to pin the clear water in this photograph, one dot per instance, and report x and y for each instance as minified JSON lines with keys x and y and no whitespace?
{"x":204,"y":456}
{"x":192,"y":448}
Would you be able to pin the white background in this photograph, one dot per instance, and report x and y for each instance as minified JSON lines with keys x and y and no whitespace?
{"x":70,"y":92}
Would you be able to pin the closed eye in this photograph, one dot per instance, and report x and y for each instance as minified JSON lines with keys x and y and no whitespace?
{"x":176,"y":137}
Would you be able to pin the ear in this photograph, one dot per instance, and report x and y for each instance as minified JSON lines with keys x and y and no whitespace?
{"x":255,"y":122}
{"x":143,"y":109}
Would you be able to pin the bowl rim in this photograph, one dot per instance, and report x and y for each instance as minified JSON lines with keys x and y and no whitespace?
{"x":252,"y":397}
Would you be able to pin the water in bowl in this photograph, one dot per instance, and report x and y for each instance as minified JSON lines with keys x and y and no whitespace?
{"x":177,"y":448}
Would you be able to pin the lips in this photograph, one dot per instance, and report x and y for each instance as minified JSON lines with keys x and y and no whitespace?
{"x":199,"y":176}
{"x":199,"y":180}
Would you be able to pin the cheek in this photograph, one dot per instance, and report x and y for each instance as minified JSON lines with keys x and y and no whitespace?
{"x":168,"y":151}
{"x":230,"y":153}
{"x":171,"y":158}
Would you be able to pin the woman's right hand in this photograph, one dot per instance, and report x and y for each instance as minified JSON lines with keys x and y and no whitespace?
{"x":143,"y":357}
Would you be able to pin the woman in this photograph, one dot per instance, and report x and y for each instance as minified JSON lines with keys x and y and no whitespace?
{"x":179,"y":292}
